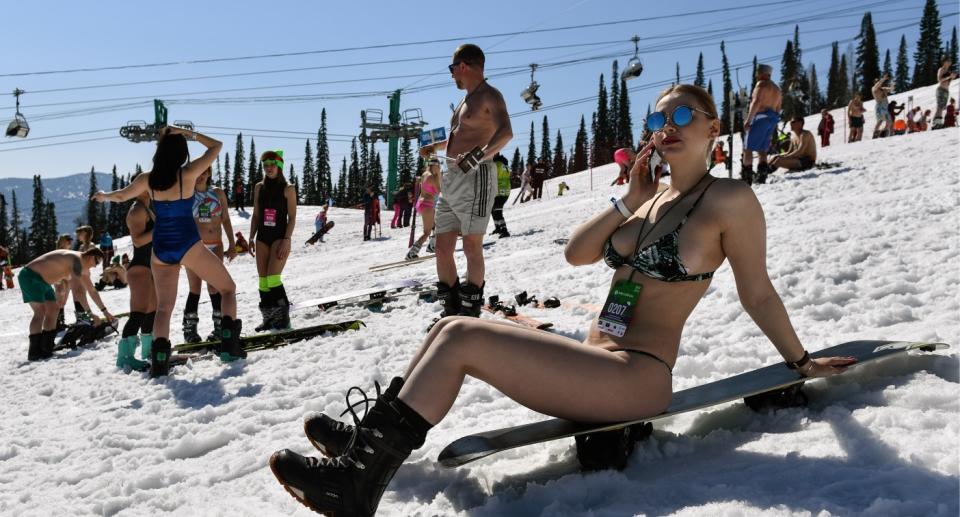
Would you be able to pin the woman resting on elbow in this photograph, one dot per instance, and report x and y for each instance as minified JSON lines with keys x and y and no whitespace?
{"x":663,"y":249}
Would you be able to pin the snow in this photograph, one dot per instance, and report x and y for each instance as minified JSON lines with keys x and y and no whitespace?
{"x":864,"y":250}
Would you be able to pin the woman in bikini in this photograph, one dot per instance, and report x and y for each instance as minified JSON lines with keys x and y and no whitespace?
{"x":663,"y":249}
{"x":274,"y":216}
{"x":429,"y":190}
{"x":176,"y":241}
{"x":143,"y":296}
{"x":212,"y":214}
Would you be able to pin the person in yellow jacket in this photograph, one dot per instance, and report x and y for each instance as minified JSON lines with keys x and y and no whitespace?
{"x":503,"y":192}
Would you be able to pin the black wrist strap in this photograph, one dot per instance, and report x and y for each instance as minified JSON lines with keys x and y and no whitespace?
{"x":799,"y":363}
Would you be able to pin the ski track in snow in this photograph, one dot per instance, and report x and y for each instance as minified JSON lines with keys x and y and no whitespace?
{"x":865,"y":250}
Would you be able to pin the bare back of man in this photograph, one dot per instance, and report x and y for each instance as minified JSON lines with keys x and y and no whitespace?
{"x":761,"y":121}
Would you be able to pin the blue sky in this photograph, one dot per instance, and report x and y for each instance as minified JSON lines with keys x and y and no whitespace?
{"x":54,"y":36}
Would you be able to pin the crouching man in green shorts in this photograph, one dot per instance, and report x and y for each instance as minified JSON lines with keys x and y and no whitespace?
{"x":35,"y":283}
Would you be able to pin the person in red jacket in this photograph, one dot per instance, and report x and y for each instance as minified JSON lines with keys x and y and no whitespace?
{"x":825,"y":128}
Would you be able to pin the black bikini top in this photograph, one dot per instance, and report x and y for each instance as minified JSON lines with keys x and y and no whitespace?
{"x":660,"y":259}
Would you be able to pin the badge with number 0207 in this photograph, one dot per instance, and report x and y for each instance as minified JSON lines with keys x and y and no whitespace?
{"x":618,"y":309}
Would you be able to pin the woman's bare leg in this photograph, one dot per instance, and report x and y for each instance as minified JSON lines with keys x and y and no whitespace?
{"x":165,"y":280}
{"x":211,"y":269}
{"x":143,"y":298}
{"x":427,"y":217}
{"x":194,"y":281}
{"x":275,"y":266}
{"x":545,"y":372}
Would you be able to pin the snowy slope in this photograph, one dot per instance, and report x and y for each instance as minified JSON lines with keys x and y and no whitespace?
{"x":866,"y":250}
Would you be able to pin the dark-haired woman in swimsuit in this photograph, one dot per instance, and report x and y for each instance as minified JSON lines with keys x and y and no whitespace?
{"x":176,"y":240}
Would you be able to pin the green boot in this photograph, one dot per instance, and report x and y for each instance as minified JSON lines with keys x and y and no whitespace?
{"x":146,"y":342}
{"x":125,"y":355}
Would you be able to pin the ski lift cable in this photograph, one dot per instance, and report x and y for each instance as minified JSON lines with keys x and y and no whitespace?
{"x":7,"y":150}
{"x":699,"y":41}
{"x":661,"y":83}
{"x":398,"y":44}
{"x":32,"y":138}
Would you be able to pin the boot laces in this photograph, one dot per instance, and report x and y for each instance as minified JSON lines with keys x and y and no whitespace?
{"x":355,"y":444}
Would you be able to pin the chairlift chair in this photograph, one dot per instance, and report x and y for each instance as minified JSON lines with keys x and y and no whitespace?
{"x":185,"y":124}
{"x":373,"y":116}
{"x":413,"y":116}
{"x":634,"y":66}
{"x":529,"y":95}
{"x":18,"y":126}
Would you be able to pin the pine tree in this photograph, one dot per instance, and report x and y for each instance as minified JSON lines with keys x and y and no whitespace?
{"x":365,"y":157}
{"x":18,"y":240}
{"x":601,"y":147}
{"x":38,"y":231}
{"x":405,"y":171}
{"x":354,"y":185}
{"x":228,"y":180}
{"x":834,"y":97}
{"x":295,"y":181}
{"x":816,"y":98}
{"x":580,"y":148}
{"x":887,"y":65}
{"x":797,"y":52}
{"x":788,"y":82}
{"x":727,"y":88}
{"x":545,"y":154}
{"x":559,"y":165}
{"x":4,"y":223}
{"x":624,"y":120}
{"x":927,"y":56}
{"x":324,"y":182}
{"x":91,"y":206}
{"x":843,"y":87}
{"x":219,"y":172}
{"x":710,"y":87}
{"x":114,"y":217}
{"x":868,"y":57}
{"x":252,"y":171}
{"x":515,"y":169}
{"x":677,"y":81}
{"x":595,"y":143}
{"x":50,"y":218}
{"x":376,"y":171}
{"x":309,"y":185}
{"x":699,"y":79}
{"x":239,"y":173}
{"x":341,"y":197}
{"x":954,"y":50}
{"x":532,"y":147}
{"x":614,"y":110}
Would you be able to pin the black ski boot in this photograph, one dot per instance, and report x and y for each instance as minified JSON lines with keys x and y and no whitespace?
{"x":450,"y":298}
{"x":160,"y":357}
{"x":61,"y":320}
{"x":230,"y":348}
{"x":330,"y":436}
{"x":48,"y":341}
{"x":35,"y":353}
{"x":217,"y":326}
{"x":190,"y":321}
{"x":762,"y":171}
{"x":281,"y":318}
{"x":471,"y":300}
{"x":353,"y":484}
{"x":269,"y":315}
{"x":746,"y":174}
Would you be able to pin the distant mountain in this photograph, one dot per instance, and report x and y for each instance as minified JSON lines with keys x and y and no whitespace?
{"x":69,"y":194}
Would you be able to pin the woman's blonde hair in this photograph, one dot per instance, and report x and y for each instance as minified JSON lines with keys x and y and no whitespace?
{"x":703,"y":99}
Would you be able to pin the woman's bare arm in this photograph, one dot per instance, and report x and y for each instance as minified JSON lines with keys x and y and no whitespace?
{"x":136,"y":187}
{"x":586,"y":242}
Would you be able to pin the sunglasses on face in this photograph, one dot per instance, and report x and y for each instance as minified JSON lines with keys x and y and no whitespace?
{"x":453,"y":66}
{"x":681,"y":116}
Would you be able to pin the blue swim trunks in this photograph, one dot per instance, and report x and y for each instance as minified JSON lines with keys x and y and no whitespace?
{"x":761,"y":130}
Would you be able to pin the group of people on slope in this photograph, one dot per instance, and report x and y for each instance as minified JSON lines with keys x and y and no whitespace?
{"x":176,"y":219}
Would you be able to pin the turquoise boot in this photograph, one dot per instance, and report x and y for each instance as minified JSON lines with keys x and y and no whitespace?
{"x":125,"y":355}
{"x":146,"y":343}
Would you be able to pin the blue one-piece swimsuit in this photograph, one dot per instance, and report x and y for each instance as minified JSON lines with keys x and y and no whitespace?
{"x":175,"y":231}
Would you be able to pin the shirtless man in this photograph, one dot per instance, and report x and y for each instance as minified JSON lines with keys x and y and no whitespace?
{"x":479,"y":129}
{"x":880,"y":93}
{"x":802,"y":153}
{"x":855,"y":111}
{"x":760,"y":124}
{"x":944,"y":76}
{"x":35,"y":279}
